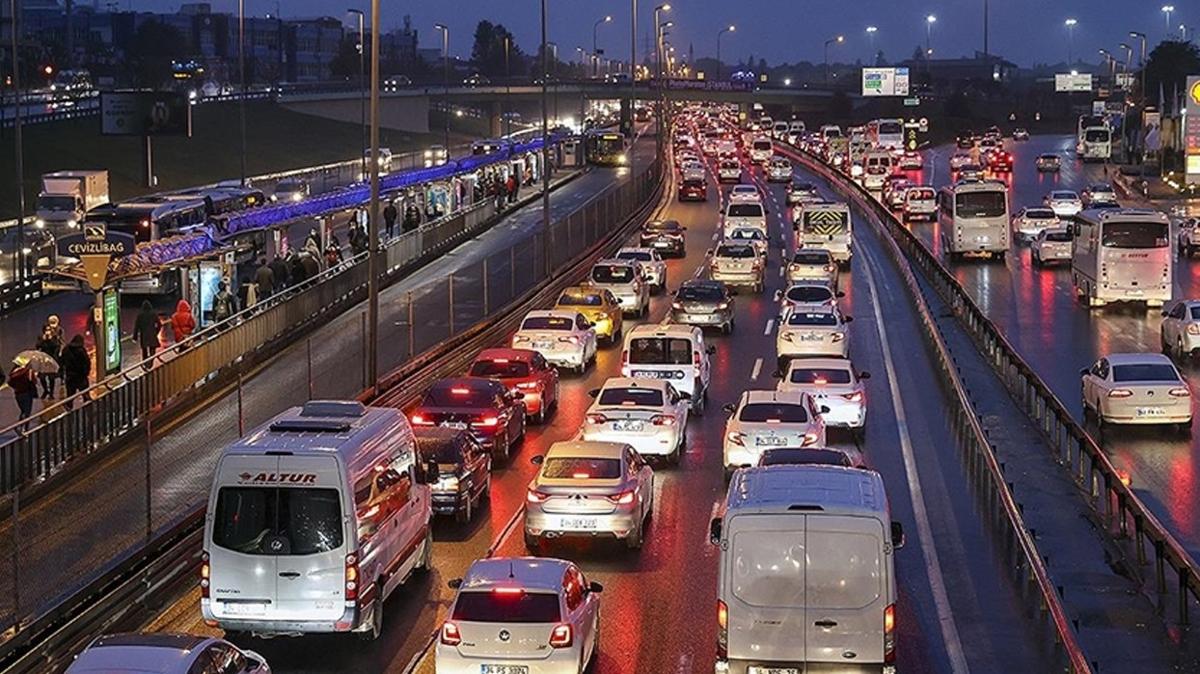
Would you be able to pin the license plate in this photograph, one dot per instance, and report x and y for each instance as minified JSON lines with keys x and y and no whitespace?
{"x":774,"y":670}
{"x":245,"y":608}
{"x":541,"y":345}
{"x":503,"y":669}
{"x":811,"y":338}
{"x":1135,"y":292}
{"x":459,"y":425}
{"x":628,"y":425}
{"x":662,"y":244}
{"x":654,"y":374}
{"x":1151,"y":412}
{"x":578,"y":523}
{"x":983,"y":239}
{"x":770,"y":440}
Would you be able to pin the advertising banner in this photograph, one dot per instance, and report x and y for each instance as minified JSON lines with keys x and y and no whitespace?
{"x":1191,"y":132}
{"x":1072,"y":82}
{"x":885,"y":81}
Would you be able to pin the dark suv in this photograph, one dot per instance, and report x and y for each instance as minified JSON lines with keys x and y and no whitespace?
{"x":464,"y":470}
{"x":663,"y":235}
{"x":485,"y":407}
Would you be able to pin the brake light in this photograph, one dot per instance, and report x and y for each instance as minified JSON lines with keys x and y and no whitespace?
{"x":205,"y":575}
{"x":696,"y":358}
{"x":419,"y":420}
{"x":351,"y":577}
{"x":508,"y":590}
{"x":889,"y":634}
{"x":810,"y":439}
{"x":1181,"y":392}
{"x":1120,"y":393}
{"x":738,"y":439}
{"x":535,"y":496}
{"x":529,"y":385}
{"x":487,"y":422}
{"x":624,"y":498}
{"x":722,"y":630}
{"x":561,"y":636}
{"x":820,"y":381}
{"x":460,"y":391}
{"x":450,"y":634}
{"x":662,"y":420}
{"x":855,"y":397}
{"x":595,"y":418}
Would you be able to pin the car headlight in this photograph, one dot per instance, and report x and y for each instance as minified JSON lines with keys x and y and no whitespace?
{"x":72,"y":223}
{"x":622,"y":158}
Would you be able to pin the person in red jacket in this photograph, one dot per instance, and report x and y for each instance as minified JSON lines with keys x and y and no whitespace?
{"x":23,"y":383}
{"x":182,"y":321}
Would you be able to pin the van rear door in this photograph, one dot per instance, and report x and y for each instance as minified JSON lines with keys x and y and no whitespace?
{"x":766,"y":589}
{"x":243,"y":575}
{"x":312,"y":573}
{"x":847,"y":574}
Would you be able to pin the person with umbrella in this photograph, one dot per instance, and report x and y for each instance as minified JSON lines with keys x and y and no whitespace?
{"x":23,"y":378}
{"x":50,"y":343}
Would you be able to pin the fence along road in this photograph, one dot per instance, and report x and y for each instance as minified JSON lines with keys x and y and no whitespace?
{"x":145,"y":489}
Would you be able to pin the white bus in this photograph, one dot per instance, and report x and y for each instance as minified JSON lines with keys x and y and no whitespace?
{"x":1096,"y":144}
{"x":886,"y":134}
{"x":826,"y":226}
{"x":1122,"y":255}
{"x":973,"y":217}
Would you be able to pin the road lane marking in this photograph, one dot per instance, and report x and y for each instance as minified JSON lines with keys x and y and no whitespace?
{"x":770,"y":327}
{"x":954,"y":648}
{"x":757,"y":369}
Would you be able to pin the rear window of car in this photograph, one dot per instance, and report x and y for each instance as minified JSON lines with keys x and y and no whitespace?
{"x":581,"y":300}
{"x":762,"y":145}
{"x":1060,"y":237}
{"x":662,"y":226}
{"x":507,"y":607}
{"x":1047,"y":157}
{"x":500,"y":368}
{"x":581,"y":468}
{"x":819,"y":375}
{"x":639,"y":255}
{"x":805,"y":456}
{"x":660,"y":351}
{"x":810,"y":257}
{"x":700,"y":293}
{"x":612,"y":273}
{"x":809,"y":294}
{"x":922,"y":194}
{"x":459,"y":396}
{"x":547,"y":323}
{"x":811,"y":318}
{"x":745,"y":211}
{"x":1063,"y":195}
{"x":645,"y":397}
{"x":739,"y":251}
{"x":1144,"y":372}
{"x":277,"y":521}
{"x":1040,"y":214}
{"x":773,"y":412}
{"x":441,"y":450}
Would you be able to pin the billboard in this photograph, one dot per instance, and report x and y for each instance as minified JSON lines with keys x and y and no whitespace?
{"x":1191,"y":131}
{"x":145,"y":113}
{"x":1073,"y":82}
{"x":885,"y":81}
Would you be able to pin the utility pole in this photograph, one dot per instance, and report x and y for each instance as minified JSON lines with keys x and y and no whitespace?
{"x":362,"y":83}
{"x":14,"y":6}
{"x":373,"y":222}
{"x":985,"y":27}
{"x":242,"y":80}
{"x":547,"y":263}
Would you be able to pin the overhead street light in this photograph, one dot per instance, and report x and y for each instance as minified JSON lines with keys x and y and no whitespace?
{"x":1070,"y":24}
{"x":665,"y":7}
{"x":728,"y":29}
{"x":1167,"y":9}
{"x":662,"y":33}
{"x":362,"y":81}
{"x":929,"y":21}
{"x":1142,"y":37}
{"x":445,"y":77}
{"x":595,"y":51}
{"x":838,"y":39}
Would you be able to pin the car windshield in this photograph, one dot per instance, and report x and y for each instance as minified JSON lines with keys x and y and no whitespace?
{"x":810,"y":318}
{"x":762,"y":145}
{"x":631,"y":397}
{"x":459,"y":396}
{"x":774,"y":413}
{"x":1144,"y":372}
{"x":891,"y":128}
{"x":809,"y":294}
{"x":547,"y":323}
{"x":737,"y":252}
{"x":581,"y":468}
{"x":1040,"y":214}
{"x":639,"y":255}
{"x":1135,"y":235}
{"x":499,"y":367}
{"x":277,"y":521}
{"x":745,"y":211}
{"x":662,"y":226}
{"x":804,"y":456}
{"x":1061,"y":236}
{"x":613,"y":273}
{"x":810,"y":257}
{"x":700,"y":293}
{"x":819,"y":375}
{"x":980,"y":204}
{"x":660,"y":351}
{"x":1063,"y":196}
{"x":493,"y":606}
{"x":56,"y":203}
{"x":581,"y":300}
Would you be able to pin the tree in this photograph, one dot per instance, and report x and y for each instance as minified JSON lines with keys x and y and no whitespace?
{"x":487,"y":52}
{"x":1169,"y":65}
{"x":154,"y":46}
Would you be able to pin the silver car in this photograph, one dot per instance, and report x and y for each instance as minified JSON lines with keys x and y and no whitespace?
{"x":703,"y":303}
{"x":1030,"y":221}
{"x":737,"y":264}
{"x":653,"y":266}
{"x":165,"y":653}
{"x":1179,"y":332}
{"x":589,"y":490}
{"x":808,"y":331}
{"x":648,"y":414}
{"x":626,"y":281}
{"x":813,"y":264}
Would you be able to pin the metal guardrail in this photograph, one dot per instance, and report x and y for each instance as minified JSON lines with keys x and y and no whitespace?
{"x":593,"y":230}
{"x":966,"y":423}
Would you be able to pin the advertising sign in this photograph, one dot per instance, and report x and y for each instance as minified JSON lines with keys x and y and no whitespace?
{"x":145,"y":113}
{"x":885,"y":81}
{"x":1072,"y":82}
{"x":112,"y":331}
{"x":1191,"y":131}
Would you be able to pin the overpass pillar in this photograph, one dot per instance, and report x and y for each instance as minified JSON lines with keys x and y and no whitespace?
{"x":495,"y":114}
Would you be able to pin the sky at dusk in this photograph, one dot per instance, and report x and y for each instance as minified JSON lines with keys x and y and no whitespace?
{"x":1024,"y":31}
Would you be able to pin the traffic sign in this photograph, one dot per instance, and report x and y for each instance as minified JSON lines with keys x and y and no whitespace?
{"x":912,"y":102}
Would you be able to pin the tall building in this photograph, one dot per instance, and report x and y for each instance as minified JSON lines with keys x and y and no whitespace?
{"x":310,"y":47}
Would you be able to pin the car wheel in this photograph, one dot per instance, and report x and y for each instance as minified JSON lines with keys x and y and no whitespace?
{"x":677,"y":453}
{"x":540,"y":417}
{"x":727,"y":328}
{"x":634,"y":540}
{"x":375,"y":629}
{"x":1179,"y":349}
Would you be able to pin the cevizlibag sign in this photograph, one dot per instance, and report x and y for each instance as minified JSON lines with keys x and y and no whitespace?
{"x":1191,"y":132}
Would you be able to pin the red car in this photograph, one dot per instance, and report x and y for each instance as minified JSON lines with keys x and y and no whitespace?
{"x":494,"y":414}
{"x":1000,"y":160}
{"x":521,"y":371}
{"x":691,"y":189}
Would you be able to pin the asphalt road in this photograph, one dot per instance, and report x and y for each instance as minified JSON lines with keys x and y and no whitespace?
{"x":956,"y":611}
{"x":1058,"y":336}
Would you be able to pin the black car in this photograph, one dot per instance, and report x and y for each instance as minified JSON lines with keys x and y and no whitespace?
{"x":464,"y":470}
{"x":664,"y":235}
{"x":485,"y":407}
{"x":965,"y":140}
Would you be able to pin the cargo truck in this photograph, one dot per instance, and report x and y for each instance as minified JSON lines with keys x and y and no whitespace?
{"x":66,"y":196}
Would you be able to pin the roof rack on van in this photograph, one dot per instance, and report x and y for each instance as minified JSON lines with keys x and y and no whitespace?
{"x":333,"y":408}
{"x":310,"y":426}
{"x":805,"y":507}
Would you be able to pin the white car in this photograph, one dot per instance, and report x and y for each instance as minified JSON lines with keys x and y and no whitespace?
{"x":813,"y":264}
{"x":165,"y":653}
{"x":737,"y":264}
{"x":1098,"y":193}
{"x":911,"y":160}
{"x":520,"y":614}
{"x":584,"y":489}
{"x":1054,"y":244}
{"x":766,"y":419}
{"x":779,"y":170}
{"x":834,"y":383}
{"x":1136,"y":388}
{"x":920,"y":202}
{"x":654,"y":268}
{"x":564,"y":338}
{"x":729,"y":171}
{"x":648,"y":414}
{"x":1030,"y":221}
{"x":960,"y":159}
{"x":1179,"y":332}
{"x":800,"y":193}
{"x":808,"y":294}
{"x":812,"y":331}
{"x":1064,"y":203}
{"x":744,"y":192}
{"x":626,"y":280}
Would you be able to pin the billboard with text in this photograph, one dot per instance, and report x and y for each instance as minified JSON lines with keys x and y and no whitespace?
{"x":1073,"y":82}
{"x":885,"y":81}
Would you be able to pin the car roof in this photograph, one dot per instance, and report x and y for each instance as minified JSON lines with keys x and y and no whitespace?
{"x":634,"y":382}
{"x":587,"y":448}
{"x":702,"y":283}
{"x":140,"y":653}
{"x":773,"y":396}
{"x":823,"y":363}
{"x":497,"y":353}
{"x":807,"y":488}
{"x":668,"y":330}
{"x":322,"y":427}
{"x":1136,"y":358}
{"x":614,"y":262}
{"x":534,"y":573}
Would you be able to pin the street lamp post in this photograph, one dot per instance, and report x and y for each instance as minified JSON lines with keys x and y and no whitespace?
{"x":373,"y":222}
{"x":362,"y":81}
{"x":547,"y":263}
{"x":929,"y":21}
{"x":632,"y":76}
{"x":871,"y":30}
{"x":1112,"y":66}
{"x":242,"y":82}
{"x":445,"y":80}
{"x":662,"y":27}
{"x":595,"y":51}
{"x":665,"y":7}
{"x":18,"y":143}
{"x":838,"y":39}
{"x":1142,"y":37}
{"x":728,"y":29}
{"x":1128,"y":60}
{"x":1070,"y":24}
{"x":1167,"y":9}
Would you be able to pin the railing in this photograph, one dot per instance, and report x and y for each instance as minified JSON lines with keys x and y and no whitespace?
{"x":984,"y":466}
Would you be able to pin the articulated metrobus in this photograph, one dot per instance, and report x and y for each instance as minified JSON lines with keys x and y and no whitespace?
{"x":605,"y":148}
{"x":1122,"y":255}
{"x":973,"y":218}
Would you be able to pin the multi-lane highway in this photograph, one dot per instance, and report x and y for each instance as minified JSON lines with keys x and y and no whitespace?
{"x":956,"y":610}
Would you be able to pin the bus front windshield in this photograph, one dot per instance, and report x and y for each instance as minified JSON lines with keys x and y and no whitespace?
{"x":1135,"y":235}
{"x":980,"y":204}
{"x":890,"y":128}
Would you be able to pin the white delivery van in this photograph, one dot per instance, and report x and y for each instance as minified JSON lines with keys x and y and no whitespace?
{"x":313,"y":520}
{"x":674,"y":352}
{"x":744,"y":215}
{"x":807,"y":580}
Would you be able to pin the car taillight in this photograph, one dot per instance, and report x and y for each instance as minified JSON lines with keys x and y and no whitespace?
{"x":696,"y":358}
{"x":1193,"y":328}
{"x":351,"y":577}
{"x":418,"y":420}
{"x":529,"y":385}
{"x":722,"y":630}
{"x":450,"y":634}
{"x":809,"y":440}
{"x":623,"y":498}
{"x":736,"y":438}
{"x":570,"y":340}
{"x":205,"y":576}
{"x":1120,"y":393}
{"x":490,"y":421}
{"x":678,"y":306}
{"x":829,"y":267}
{"x":595,"y":418}
{"x":889,"y":634}
{"x":562,"y":636}
{"x":1181,"y":392}
{"x":855,"y":397}
{"x":535,"y":496}
{"x":662,"y":420}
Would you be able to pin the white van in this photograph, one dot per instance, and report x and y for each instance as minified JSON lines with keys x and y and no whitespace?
{"x":744,"y":215}
{"x":676,"y":353}
{"x":807,"y":578}
{"x":879,"y":165}
{"x":313,"y":520}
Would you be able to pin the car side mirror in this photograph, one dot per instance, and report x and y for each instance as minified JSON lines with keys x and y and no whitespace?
{"x":864,"y":375}
{"x":840,"y":294}
{"x":897,"y":535}
{"x":729,"y":407}
{"x":454,"y":583}
{"x":778,"y":295}
{"x":714,"y":530}
{"x":595,"y":587}
{"x":537,"y":460}
{"x":777,"y":374}
{"x":684,"y":395}
{"x":594,"y":392}
{"x":824,"y":409}
{"x":428,"y":473}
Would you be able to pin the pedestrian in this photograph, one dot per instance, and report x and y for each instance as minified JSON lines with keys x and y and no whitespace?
{"x":264,"y":278}
{"x":359,"y":241}
{"x":312,"y":266}
{"x":333,"y":254}
{"x":247,"y":293}
{"x":51,"y":344}
{"x":296,"y":271}
{"x":224,"y":304}
{"x":279,"y":269}
{"x":510,"y":187}
{"x":24,"y":385}
{"x":389,"y":218}
{"x":76,"y":366}
{"x":313,"y":240}
{"x":182,"y":321}
{"x":412,"y":217}
{"x":145,"y":329}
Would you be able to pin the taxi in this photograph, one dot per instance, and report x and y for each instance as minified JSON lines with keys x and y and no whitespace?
{"x":599,"y":306}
